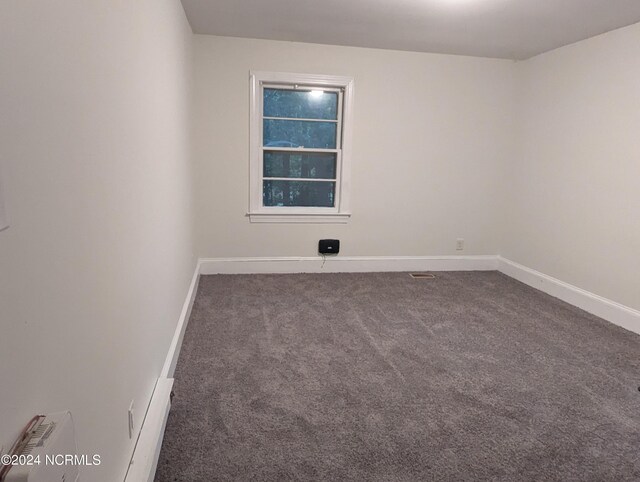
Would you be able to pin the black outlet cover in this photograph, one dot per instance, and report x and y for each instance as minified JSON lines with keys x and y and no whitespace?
{"x":329,"y":246}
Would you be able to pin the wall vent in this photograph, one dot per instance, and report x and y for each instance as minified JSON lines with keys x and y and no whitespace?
{"x":422,"y":275}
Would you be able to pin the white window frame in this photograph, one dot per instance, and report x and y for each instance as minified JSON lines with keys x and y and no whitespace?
{"x":340,"y":213}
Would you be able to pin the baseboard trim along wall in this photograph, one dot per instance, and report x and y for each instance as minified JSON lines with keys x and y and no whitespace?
{"x":148,"y":447}
{"x":343,"y":264}
{"x":142,"y":467}
{"x":596,"y":305}
{"x":176,"y":342}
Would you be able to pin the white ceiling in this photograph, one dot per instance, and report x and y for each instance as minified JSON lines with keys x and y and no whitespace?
{"x":512,"y":29}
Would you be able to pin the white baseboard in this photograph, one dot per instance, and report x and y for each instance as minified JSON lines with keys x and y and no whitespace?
{"x":142,"y":467}
{"x":174,"y":349}
{"x":604,"y":308}
{"x":341,"y":264}
{"x":597,"y":305}
{"x":150,"y":441}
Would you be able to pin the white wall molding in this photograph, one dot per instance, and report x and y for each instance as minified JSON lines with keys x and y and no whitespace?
{"x":597,"y":305}
{"x":150,"y":440}
{"x":142,"y":467}
{"x":174,"y":349}
{"x":604,"y":308}
{"x":341,"y":264}
{"x":144,"y":462}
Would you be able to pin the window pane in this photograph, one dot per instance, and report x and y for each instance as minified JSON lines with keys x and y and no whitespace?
{"x":285,"y":133}
{"x":298,"y":193}
{"x":300,"y":104}
{"x":313,"y":165}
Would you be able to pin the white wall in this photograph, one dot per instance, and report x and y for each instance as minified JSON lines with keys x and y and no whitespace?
{"x":431,"y":135}
{"x":94,"y":146}
{"x":574,"y":195}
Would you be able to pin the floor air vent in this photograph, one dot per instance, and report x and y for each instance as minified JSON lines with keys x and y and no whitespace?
{"x":422,"y":275}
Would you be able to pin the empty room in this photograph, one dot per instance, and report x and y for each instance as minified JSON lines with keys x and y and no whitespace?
{"x":361,"y":240}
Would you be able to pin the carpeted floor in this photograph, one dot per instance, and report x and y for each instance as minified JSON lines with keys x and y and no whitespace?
{"x":380,"y":377}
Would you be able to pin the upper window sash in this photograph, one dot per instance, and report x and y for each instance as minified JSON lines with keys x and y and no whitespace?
{"x":339,"y":91}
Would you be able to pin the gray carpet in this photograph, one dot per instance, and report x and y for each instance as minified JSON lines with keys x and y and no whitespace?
{"x":380,"y":377}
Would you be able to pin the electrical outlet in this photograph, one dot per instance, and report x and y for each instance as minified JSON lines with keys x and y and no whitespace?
{"x":459,"y":244}
{"x":131,"y":420}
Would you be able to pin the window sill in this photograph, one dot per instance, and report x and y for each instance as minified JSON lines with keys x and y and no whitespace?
{"x":338,"y":218}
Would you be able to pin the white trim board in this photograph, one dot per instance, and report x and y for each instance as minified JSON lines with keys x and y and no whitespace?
{"x":356,"y":264}
{"x":597,"y":305}
{"x":609,"y":310}
{"x":142,"y":467}
{"x":152,"y":432}
{"x":144,"y":462}
{"x":176,"y":343}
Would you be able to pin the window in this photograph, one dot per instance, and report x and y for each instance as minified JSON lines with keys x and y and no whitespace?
{"x":300,"y":147}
